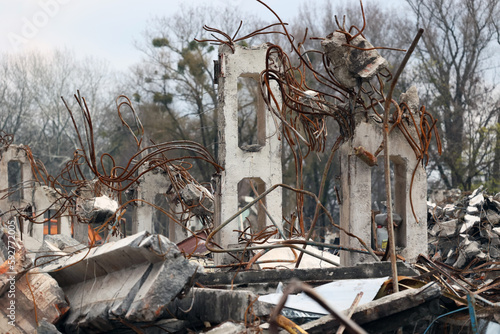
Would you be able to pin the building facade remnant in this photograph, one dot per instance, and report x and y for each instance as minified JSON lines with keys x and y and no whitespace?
{"x":31,"y":198}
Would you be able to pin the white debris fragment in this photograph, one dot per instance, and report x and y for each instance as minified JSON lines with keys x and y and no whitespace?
{"x":477,"y":200}
{"x":449,"y":208}
{"x":105,"y":203}
{"x":472,"y":210}
{"x":469,"y":222}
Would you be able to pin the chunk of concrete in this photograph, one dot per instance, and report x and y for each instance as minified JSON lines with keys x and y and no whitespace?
{"x":228,"y":328}
{"x":131,"y":279}
{"x":216,"y":306}
{"x":198,"y":198}
{"x":477,"y":200}
{"x":50,"y":302}
{"x":410,"y":97}
{"x":445,"y":229}
{"x":98,"y":210}
{"x":472,"y":210}
{"x":493,"y":217}
{"x":350,"y":63}
{"x":470,"y":221}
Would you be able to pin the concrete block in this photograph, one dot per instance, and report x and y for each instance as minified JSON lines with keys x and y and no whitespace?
{"x":446,"y":229}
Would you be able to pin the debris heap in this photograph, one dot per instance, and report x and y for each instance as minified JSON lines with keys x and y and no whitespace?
{"x":467,"y":233}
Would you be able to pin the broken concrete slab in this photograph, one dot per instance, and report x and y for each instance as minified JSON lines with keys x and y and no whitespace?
{"x":493,"y":217}
{"x":216,"y":306}
{"x":476,"y":199}
{"x":55,"y":246}
{"x":470,"y":221}
{"x":445,"y":229}
{"x":131,"y":279}
{"x":49,"y":299}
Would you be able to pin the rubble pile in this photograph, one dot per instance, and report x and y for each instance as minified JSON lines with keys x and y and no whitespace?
{"x":466,"y":234}
{"x":464,"y":250}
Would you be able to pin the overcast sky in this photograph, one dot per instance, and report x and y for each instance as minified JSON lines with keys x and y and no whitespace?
{"x":105,"y":29}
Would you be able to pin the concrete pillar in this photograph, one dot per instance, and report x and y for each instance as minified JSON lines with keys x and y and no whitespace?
{"x":151,"y":184}
{"x":355,"y":211}
{"x":80,"y":231}
{"x":263,"y":165}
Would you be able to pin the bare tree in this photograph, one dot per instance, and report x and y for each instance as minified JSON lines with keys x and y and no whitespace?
{"x":175,"y":82}
{"x":31,"y":108}
{"x":454,"y":59}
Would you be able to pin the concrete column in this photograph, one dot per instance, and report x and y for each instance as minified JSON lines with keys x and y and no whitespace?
{"x":80,"y":232}
{"x":355,"y":211}
{"x":263,"y":165}
{"x":150,"y":185}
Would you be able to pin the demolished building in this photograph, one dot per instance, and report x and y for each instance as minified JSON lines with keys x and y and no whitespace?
{"x":145,"y":283}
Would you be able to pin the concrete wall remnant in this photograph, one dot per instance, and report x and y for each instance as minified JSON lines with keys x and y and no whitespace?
{"x":16,"y":175}
{"x":262,"y":164}
{"x":12,"y":158}
{"x":355,"y":211}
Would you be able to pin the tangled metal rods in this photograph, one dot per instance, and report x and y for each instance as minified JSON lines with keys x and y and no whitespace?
{"x":302,"y":95}
{"x":87,"y":173}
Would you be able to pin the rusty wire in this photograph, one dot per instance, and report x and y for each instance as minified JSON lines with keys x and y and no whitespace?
{"x":87,"y":172}
{"x":458,"y":283}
